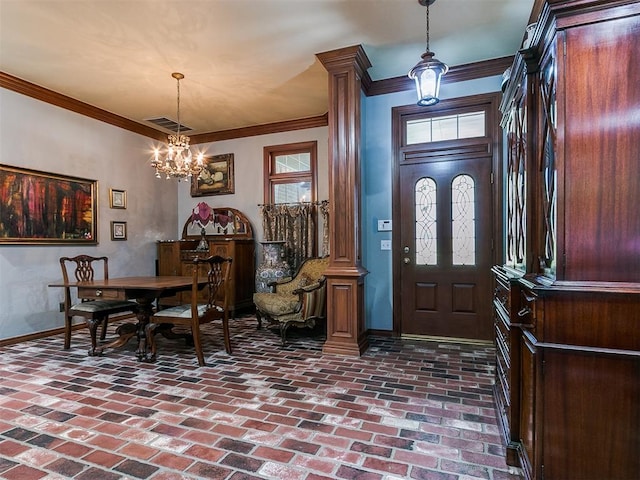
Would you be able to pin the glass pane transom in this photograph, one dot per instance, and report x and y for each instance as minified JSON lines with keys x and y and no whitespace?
{"x":449,"y":127}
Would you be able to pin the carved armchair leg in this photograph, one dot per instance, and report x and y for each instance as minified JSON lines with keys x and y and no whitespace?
{"x":259,"y":318}
{"x":283,"y":332}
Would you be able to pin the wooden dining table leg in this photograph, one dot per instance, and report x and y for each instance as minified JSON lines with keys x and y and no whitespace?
{"x":145,"y":310}
{"x":128,"y":330}
{"x":166,"y":330}
{"x":124,"y":333}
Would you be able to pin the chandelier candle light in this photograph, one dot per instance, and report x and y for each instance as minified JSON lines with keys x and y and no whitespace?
{"x":429,"y":71}
{"x":178,"y":161}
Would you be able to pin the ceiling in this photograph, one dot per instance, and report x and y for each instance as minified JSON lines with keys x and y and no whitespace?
{"x":245,"y":63}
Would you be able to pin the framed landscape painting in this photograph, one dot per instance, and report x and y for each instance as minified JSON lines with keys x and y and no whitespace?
{"x":216,"y":177}
{"x":42,"y":208}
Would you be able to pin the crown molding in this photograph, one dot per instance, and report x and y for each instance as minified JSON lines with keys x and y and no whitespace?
{"x":264,"y":129}
{"x":458,"y":73}
{"x":49,"y":96}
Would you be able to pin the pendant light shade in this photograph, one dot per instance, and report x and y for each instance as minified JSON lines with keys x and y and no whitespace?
{"x":428,"y":72}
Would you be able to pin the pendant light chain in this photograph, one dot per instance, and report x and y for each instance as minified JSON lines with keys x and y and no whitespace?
{"x":427,"y":26}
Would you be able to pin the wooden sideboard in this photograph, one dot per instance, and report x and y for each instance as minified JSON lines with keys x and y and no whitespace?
{"x":567,"y":298}
{"x":230,"y":238}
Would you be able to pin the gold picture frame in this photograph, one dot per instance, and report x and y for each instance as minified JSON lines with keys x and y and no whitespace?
{"x":118,"y":230}
{"x":216,"y":177}
{"x":117,"y":198}
{"x":47,"y":208}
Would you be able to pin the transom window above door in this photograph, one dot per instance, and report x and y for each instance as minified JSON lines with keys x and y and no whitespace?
{"x":447,"y":127}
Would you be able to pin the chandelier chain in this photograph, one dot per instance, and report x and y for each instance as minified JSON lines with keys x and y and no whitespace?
{"x":178,"y":112}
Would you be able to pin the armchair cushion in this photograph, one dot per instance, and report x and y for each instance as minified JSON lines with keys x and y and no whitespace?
{"x":275,"y":305}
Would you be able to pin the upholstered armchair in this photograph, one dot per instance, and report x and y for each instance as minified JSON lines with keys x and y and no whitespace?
{"x":298,"y":301}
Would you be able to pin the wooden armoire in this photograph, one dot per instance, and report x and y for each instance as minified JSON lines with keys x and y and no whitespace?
{"x":567,"y":298}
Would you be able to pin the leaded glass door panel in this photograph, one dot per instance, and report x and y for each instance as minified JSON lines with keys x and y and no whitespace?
{"x":446,"y":235}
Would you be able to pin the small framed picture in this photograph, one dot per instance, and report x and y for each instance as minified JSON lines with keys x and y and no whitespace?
{"x":117,"y":198}
{"x":118,"y":230}
{"x":216,"y":177}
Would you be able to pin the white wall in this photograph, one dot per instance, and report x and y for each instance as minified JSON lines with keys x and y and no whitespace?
{"x":248,"y":168}
{"x":43,"y":137}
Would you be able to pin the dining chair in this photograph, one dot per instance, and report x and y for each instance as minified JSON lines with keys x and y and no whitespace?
{"x":95,"y":312}
{"x":211,"y":275}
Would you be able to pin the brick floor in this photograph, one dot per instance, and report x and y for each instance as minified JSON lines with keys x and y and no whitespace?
{"x":404,"y":410}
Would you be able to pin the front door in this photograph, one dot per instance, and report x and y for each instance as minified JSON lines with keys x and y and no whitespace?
{"x":446,"y":235}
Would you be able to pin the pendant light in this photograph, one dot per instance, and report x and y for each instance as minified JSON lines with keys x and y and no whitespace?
{"x":429,"y":71}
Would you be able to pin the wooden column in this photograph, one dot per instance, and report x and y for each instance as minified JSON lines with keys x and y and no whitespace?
{"x":346,"y":333}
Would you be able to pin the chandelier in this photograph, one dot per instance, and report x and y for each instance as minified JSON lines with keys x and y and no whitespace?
{"x":429,"y":71}
{"x":178,"y":161}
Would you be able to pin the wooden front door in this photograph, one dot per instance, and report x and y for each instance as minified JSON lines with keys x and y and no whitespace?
{"x":446,"y":234}
{"x":445,"y":160}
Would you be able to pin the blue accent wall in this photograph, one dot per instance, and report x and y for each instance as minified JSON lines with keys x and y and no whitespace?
{"x":376,"y":178}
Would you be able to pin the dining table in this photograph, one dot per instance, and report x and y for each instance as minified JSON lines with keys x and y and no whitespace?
{"x":144,"y":290}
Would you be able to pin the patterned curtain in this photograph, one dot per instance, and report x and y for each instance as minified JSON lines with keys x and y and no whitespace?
{"x":324,"y":211}
{"x":295,"y":224}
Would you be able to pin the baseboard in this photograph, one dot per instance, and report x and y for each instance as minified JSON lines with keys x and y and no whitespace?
{"x":49,"y":333}
{"x":380,"y":333}
{"x":430,"y":338}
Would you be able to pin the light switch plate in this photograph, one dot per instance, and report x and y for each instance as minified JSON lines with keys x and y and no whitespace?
{"x":384,"y":225}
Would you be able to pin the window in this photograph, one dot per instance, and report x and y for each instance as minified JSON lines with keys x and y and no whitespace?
{"x":290,"y":173}
{"x":449,"y":127}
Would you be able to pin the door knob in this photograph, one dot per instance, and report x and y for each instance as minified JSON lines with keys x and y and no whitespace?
{"x":406,"y":260}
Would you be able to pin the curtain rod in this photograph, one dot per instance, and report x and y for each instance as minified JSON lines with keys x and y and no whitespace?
{"x":320,"y":202}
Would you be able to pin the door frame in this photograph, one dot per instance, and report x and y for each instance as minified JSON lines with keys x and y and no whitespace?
{"x":489,"y":102}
